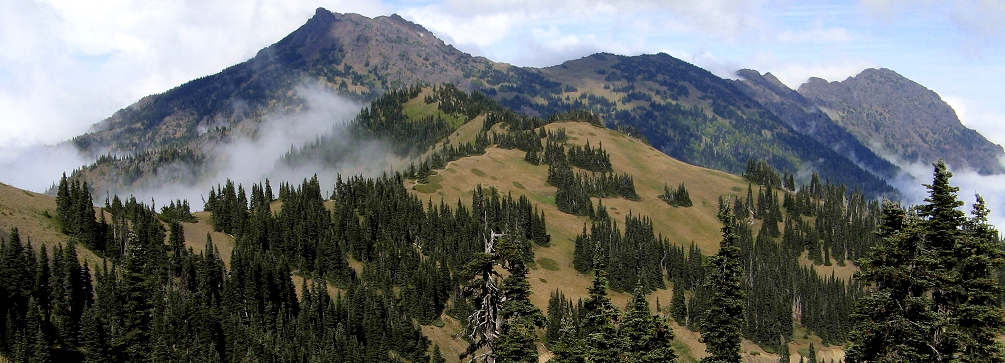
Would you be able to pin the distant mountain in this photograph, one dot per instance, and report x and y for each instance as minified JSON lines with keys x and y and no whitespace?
{"x":896,"y":116}
{"x":694,"y":116}
{"x":682,"y":110}
{"x":805,"y":117}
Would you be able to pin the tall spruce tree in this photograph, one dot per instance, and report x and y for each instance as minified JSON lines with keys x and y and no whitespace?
{"x":645,"y":338}
{"x":932,"y":284}
{"x":518,"y":340}
{"x":895,"y":321}
{"x":942,"y":223}
{"x":723,"y":319}
{"x":980,"y":315}
{"x":601,"y":317}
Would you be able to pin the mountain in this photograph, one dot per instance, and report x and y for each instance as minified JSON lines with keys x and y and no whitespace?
{"x":380,"y":230}
{"x":692,"y":115}
{"x":898,"y":117}
{"x":347,"y":53}
{"x":682,"y":110}
{"x":806,"y":118}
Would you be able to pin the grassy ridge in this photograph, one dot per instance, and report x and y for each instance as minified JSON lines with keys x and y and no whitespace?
{"x":507,"y":171}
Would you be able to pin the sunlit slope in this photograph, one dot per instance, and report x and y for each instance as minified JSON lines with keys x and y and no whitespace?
{"x":507,"y":171}
{"x":34,"y":216}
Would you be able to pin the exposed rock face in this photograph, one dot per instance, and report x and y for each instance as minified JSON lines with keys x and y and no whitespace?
{"x":896,"y":116}
{"x":805,"y":117}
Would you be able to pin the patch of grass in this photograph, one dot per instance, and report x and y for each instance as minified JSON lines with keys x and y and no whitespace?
{"x":438,"y":323}
{"x":452,"y":170}
{"x":548,"y":264}
{"x":427,"y":188}
{"x":736,"y":189}
{"x":518,"y":185}
{"x":683,"y":352}
{"x":477,"y":172}
{"x":543,"y":280}
{"x":28,"y":193}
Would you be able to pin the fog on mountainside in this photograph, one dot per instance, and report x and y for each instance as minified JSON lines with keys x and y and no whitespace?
{"x":247,"y":159}
{"x":38,"y":167}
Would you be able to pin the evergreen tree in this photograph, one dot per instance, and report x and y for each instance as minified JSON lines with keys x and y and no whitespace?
{"x":645,"y":338}
{"x":678,"y":306}
{"x":601,"y":316}
{"x":557,"y":313}
{"x":896,"y":321}
{"x":134,"y":337}
{"x":723,"y":320}
{"x":980,"y":315}
{"x":437,"y":357}
{"x":518,"y":340}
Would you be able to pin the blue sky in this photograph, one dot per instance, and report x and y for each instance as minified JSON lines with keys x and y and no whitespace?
{"x":66,"y":64}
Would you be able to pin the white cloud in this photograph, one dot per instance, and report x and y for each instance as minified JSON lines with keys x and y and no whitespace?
{"x":37,"y":167}
{"x":477,"y":26}
{"x":68,"y":64}
{"x":991,"y":187}
{"x":817,"y":34}
{"x":981,"y":21}
{"x":975,"y":116}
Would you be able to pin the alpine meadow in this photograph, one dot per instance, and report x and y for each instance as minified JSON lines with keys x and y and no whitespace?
{"x":363,"y":191}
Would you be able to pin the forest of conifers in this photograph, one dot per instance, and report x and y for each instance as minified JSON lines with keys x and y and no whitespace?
{"x":929,"y":288}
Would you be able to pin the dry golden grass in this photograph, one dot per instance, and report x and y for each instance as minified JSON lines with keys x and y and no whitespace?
{"x":842,"y":272}
{"x":195,"y":237}
{"x":33,"y":215}
{"x":506,"y":171}
{"x":447,"y":337}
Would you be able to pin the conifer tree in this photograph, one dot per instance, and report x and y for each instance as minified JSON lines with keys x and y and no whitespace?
{"x":518,"y":340}
{"x":678,"y":306}
{"x":894,"y":321}
{"x":437,"y":357}
{"x":723,"y":319}
{"x":556,"y":315}
{"x":980,"y":315}
{"x":645,"y":338}
{"x":601,"y":316}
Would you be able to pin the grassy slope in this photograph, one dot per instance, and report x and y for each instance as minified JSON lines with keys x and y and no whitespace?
{"x":33,"y":215}
{"x":508,"y":172}
{"x":27,"y":211}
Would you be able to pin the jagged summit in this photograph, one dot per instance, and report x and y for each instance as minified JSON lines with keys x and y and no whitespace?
{"x":897,"y":116}
{"x":805,"y":117}
{"x":351,"y":54}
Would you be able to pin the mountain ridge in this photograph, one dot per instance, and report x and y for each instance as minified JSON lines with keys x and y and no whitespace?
{"x":894,"y":115}
{"x":805,"y":117}
{"x":683,"y":110}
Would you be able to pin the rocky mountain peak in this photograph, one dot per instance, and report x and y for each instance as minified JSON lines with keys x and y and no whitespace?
{"x":898,"y":117}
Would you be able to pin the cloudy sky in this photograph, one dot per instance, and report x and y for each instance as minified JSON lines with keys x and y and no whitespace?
{"x":66,"y":64}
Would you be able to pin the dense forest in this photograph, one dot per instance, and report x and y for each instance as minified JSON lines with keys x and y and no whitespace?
{"x":377,"y":263}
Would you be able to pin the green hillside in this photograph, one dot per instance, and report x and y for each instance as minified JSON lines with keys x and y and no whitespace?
{"x":473,"y":160}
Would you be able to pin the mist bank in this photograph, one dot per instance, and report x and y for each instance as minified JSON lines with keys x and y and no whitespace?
{"x":38,"y":167}
{"x":252,"y":152}
{"x":913,"y":176}
{"x":252,"y":157}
